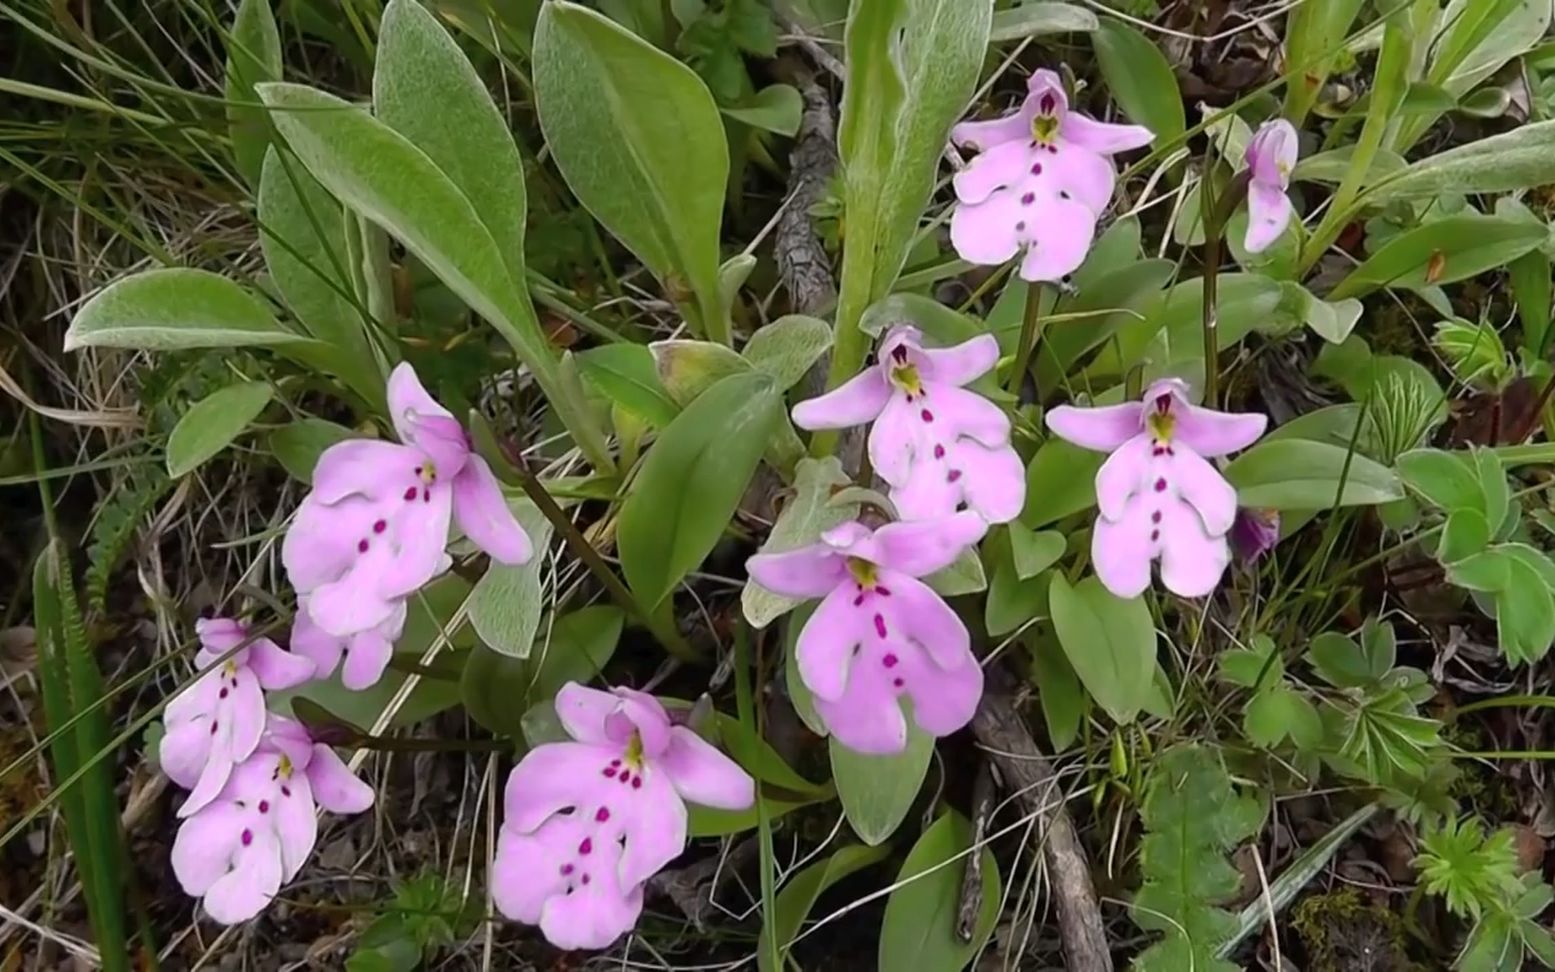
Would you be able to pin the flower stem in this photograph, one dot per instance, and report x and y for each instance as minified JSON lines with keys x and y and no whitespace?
{"x":1030,"y":331}
{"x":1217,"y":212}
{"x":667,"y":634}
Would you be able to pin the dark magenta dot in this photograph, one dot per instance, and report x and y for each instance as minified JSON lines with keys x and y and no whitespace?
{"x":889,"y":661}
{"x":880,"y":625}
{"x":426,"y":495}
{"x":213,"y":727}
{"x":410,"y":493}
{"x":223,"y":694}
{"x":626,"y":777}
{"x":1063,"y":193}
{"x":883,"y":591}
{"x":1155,"y":535}
{"x":1155,"y":517}
{"x":380,"y":526}
{"x":615,"y":762}
{"x":953,"y":475}
{"x":1160,"y":485}
{"x":286,"y":791}
{"x":858,"y":600}
{"x":566,"y":869}
{"x":585,"y":879}
{"x":637,"y":782}
{"x":1048,"y":103}
{"x":248,"y":837}
{"x":609,"y":771}
{"x":1028,"y":199}
{"x":939,"y":451}
{"x":1036,"y":168}
{"x":898,"y":682}
{"x":264,"y":806}
{"x":1020,"y":227}
{"x":926,"y":415}
{"x":602,"y":814}
{"x":587,"y":846}
{"x":361,"y":546}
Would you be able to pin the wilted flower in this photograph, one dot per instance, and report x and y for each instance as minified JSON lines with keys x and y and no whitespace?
{"x":586,"y":823}
{"x":936,"y":444}
{"x":1271,"y":155}
{"x":375,"y":526}
{"x":366,"y":654}
{"x":1158,"y":495}
{"x":216,"y":723}
{"x":1041,"y":182}
{"x":1254,"y":533}
{"x":256,"y":834}
{"x":880,"y":633}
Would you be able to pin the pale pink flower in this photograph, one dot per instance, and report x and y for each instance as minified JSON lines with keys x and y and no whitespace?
{"x":216,"y":722}
{"x":375,"y":526}
{"x":238,"y":850}
{"x":586,"y":823}
{"x":365,"y":654}
{"x":1043,"y":178}
{"x":1271,"y":155}
{"x":881,"y":633}
{"x":1158,"y":495}
{"x":936,"y":444}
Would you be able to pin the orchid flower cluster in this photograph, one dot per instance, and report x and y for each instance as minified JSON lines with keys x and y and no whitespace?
{"x":372,"y":532}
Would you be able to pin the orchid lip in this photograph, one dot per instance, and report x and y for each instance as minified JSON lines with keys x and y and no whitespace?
{"x":864,"y":572}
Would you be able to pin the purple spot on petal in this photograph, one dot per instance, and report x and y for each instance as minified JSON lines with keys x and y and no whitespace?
{"x":286,"y":791}
{"x":410,"y":493}
{"x":1155,"y":535}
{"x":609,"y":771}
{"x":566,"y":869}
{"x":926,"y":415}
{"x":637,"y":782}
{"x":361,"y":546}
{"x":626,"y":777}
{"x":858,"y":600}
{"x":1020,"y":227}
{"x":883,"y":591}
{"x":1036,"y":168}
{"x":248,"y":837}
{"x":213,"y":727}
{"x":1155,"y":517}
{"x":426,"y":495}
{"x":1063,"y":193}
{"x":880,"y":625}
{"x":953,"y":475}
{"x":380,"y":526}
{"x":264,"y":806}
{"x":898,"y":682}
{"x":584,"y":879}
{"x":1160,"y":485}
{"x":939,"y":451}
{"x":889,"y":661}
{"x":615,"y":762}
{"x":223,"y":694}
{"x":602,"y":814}
{"x":1028,"y":199}
{"x":1048,"y":104}
{"x":586,"y":846}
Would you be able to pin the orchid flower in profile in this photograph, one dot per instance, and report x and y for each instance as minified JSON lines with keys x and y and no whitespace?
{"x":1254,"y":533}
{"x":361,"y":657}
{"x":1271,"y":155}
{"x":1043,"y":178}
{"x":938,"y":445}
{"x":1158,"y":495}
{"x":375,"y":526}
{"x":239,"y":849}
{"x":587,"y":822}
{"x":881,"y":633}
{"x":217,"y":722}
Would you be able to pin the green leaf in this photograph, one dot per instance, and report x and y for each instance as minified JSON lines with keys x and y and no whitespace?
{"x":253,"y":56}
{"x":1110,"y":643}
{"x":626,"y":374}
{"x":1036,"y":18}
{"x":776,"y":108}
{"x":1140,"y":79}
{"x":1466,"y":533}
{"x":379,"y":174}
{"x":1299,"y":474}
{"x":425,"y":89}
{"x":212,"y":423}
{"x":1492,"y":484}
{"x":1059,"y":689}
{"x":298,"y":445}
{"x":174,"y":310}
{"x":688,"y":368}
{"x":1443,"y":251}
{"x":1278,"y":712}
{"x":1060,"y":480}
{"x":787,"y":348}
{"x":1529,"y":276}
{"x":919,"y":931}
{"x":505,"y":606}
{"x":802,"y":521}
{"x":1332,"y":321}
{"x":877,"y":791}
{"x":1192,"y":819}
{"x":577,"y":648}
{"x":800,"y":894}
{"x":638,"y":138}
{"x":1011,"y":601}
{"x":489,"y":684}
{"x":1525,"y":614}
{"x":1314,"y":48}
{"x":964,"y":575}
{"x":1445,"y":479}
{"x":692,"y":480}
{"x":1032,"y":553}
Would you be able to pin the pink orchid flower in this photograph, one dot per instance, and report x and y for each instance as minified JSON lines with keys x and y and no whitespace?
{"x":588,"y":822}
{"x":1254,"y":534}
{"x":375,"y":526}
{"x":1271,"y":155}
{"x":1044,"y":177}
{"x":1158,"y":495}
{"x":216,"y":723}
{"x":365,"y":654}
{"x":938,"y":445}
{"x":880,"y":632}
{"x":239,"y":849}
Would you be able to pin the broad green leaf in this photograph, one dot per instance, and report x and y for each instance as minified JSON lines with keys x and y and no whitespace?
{"x":489,"y":685}
{"x":1034,"y":552}
{"x":1492,"y":486}
{"x":1012,"y":600}
{"x":1039,"y":17}
{"x":298,"y":445}
{"x":800,"y":894}
{"x":425,"y":89}
{"x":1518,"y":159}
{"x":1442,"y":251}
{"x":638,"y":138}
{"x":692,"y":480}
{"x":760,"y":760}
{"x":940,"y":53}
{"x":919,"y":931}
{"x":802,"y":521}
{"x":302,"y":235}
{"x":1141,"y":80}
{"x":1059,"y":690}
{"x":506,"y":603}
{"x":575,"y":649}
{"x":1525,"y":614}
{"x":964,"y":575}
{"x":1333,"y":165}
{"x":1116,"y":298}
{"x":1110,"y":643}
{"x":1466,"y":534}
{"x":1340,"y":661}
{"x":1529,"y":276}
{"x":1278,"y":712}
{"x":689,"y":368}
{"x":1331,"y":320}
{"x":1299,"y":474}
{"x":1446,"y":479}
{"x":174,"y":310}
{"x":378,"y":173}
{"x":1060,"y":480}
{"x":253,"y":56}
{"x":1171,"y":328}
{"x":776,"y":108}
{"x":626,"y":374}
{"x":787,"y":348}
{"x":1314,"y":48}
{"x":877,"y":791}
{"x":212,"y":423}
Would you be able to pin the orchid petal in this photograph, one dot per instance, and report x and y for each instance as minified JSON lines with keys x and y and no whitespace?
{"x":1268,"y":214}
{"x":827,"y":642}
{"x":335,"y":787}
{"x":484,"y":516}
{"x":1104,"y":138}
{"x":1203,"y":487}
{"x":920,"y":548}
{"x":1102,"y":429}
{"x":703,"y":775}
{"x":276,"y":669}
{"x":961,"y":363}
{"x":809,"y":571}
{"x":583,"y":711}
{"x":856,"y":401}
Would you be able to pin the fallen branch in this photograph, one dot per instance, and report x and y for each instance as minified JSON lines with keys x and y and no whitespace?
{"x":999,"y":728}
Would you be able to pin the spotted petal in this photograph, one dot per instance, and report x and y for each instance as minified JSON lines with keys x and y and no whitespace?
{"x":1268,"y":214}
{"x":335,"y":787}
{"x":485,"y":517}
{"x":703,"y":775}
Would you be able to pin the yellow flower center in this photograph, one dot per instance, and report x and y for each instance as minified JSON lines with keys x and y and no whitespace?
{"x":284,"y":768}
{"x":863,"y":571}
{"x":428,"y":472}
{"x":1161,"y":425}
{"x":634,"y":751}
{"x":1044,"y":128}
{"x":906,"y":378}
{"x":230,"y":668}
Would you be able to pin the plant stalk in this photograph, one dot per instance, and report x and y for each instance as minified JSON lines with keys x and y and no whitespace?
{"x":1031,"y":325}
{"x":667,"y":634}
